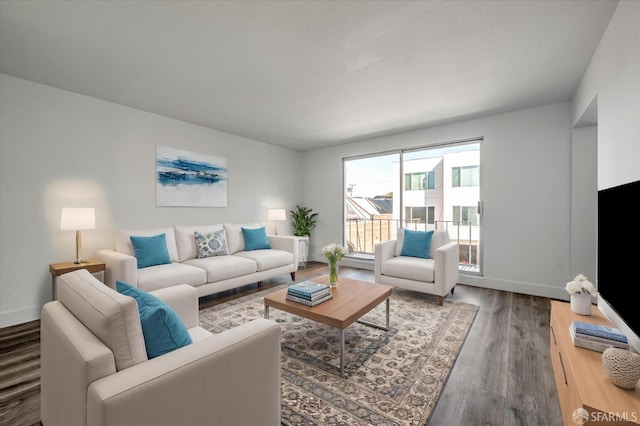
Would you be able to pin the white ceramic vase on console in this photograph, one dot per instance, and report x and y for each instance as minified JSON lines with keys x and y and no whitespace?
{"x":581,"y":303}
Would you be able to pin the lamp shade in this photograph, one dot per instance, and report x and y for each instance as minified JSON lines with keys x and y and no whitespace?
{"x":277,"y":214}
{"x":78,"y":218}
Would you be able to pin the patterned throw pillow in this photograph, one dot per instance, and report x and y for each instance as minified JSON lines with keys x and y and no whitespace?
{"x":211,"y":244}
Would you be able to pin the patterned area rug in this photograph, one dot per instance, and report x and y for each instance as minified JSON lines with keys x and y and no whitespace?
{"x":390,"y":378}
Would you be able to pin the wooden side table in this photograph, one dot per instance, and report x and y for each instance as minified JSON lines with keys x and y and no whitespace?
{"x":56,"y":269}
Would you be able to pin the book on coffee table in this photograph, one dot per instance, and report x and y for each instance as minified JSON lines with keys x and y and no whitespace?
{"x":309,"y":290}
{"x":308,"y":302}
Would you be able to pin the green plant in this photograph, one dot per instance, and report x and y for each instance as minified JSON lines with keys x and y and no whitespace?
{"x":304,"y":220}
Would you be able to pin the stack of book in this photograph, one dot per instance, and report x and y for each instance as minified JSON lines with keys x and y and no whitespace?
{"x":309,"y":293}
{"x":597,"y":337}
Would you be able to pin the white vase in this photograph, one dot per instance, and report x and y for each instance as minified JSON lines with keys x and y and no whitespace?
{"x":581,"y":303}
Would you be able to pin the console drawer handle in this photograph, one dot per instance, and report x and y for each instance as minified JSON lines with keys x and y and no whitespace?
{"x":564,"y":373}
{"x":553,"y":334}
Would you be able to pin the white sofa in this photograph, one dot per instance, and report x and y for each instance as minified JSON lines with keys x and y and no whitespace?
{"x":207,"y":275}
{"x":437,"y":275}
{"x":95,"y":370}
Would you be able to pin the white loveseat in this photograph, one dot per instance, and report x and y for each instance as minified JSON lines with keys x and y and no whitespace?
{"x":95,"y":370}
{"x":208,"y":275}
{"x":436,"y":275}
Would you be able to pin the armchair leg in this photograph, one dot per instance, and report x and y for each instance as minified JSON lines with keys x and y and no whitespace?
{"x":441,"y":300}
{"x":453,"y":288}
{"x":293,"y":276}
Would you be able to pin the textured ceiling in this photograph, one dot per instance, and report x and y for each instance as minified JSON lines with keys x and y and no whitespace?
{"x":307,"y":74}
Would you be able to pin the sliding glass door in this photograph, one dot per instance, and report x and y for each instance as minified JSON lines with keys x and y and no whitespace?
{"x":428,"y":188}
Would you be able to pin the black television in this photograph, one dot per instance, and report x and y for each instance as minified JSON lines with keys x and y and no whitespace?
{"x":618,"y":249}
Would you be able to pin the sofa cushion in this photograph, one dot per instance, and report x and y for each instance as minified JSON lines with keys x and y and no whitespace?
{"x":255,"y":239}
{"x":416,"y":243}
{"x":235,"y":238}
{"x":161,"y":276}
{"x":123,"y":241}
{"x":162,"y":328}
{"x":150,"y":251}
{"x":223,"y":267}
{"x":412,"y":268}
{"x":186,"y":240}
{"x":211,"y":244}
{"x":267,"y":259}
{"x":110,"y":316}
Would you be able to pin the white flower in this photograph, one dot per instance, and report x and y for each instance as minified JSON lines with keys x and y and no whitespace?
{"x":581,"y":284}
{"x":334,"y":252}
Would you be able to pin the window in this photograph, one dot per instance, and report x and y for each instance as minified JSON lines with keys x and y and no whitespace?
{"x":465,"y":176}
{"x":419,"y":181}
{"x":465,"y":215}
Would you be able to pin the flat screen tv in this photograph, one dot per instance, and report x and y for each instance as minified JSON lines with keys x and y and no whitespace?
{"x":618,"y":250}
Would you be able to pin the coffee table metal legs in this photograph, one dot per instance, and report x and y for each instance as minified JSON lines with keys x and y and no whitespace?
{"x":370,"y":324}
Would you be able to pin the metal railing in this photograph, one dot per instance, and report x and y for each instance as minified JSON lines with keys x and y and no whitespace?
{"x":361,"y":236}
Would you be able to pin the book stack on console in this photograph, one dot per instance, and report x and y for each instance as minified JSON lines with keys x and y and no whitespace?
{"x":309,"y":293}
{"x":597,"y":337}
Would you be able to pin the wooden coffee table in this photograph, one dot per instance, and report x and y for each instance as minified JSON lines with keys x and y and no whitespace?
{"x":352,"y":299}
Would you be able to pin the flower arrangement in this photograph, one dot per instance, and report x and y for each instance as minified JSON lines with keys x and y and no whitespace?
{"x":580,"y":285}
{"x":333,"y":253}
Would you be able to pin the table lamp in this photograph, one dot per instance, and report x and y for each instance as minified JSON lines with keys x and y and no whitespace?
{"x":77,"y":219}
{"x":277,"y":215}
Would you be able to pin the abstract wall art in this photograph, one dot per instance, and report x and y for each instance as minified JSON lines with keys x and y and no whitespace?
{"x":185,"y":178}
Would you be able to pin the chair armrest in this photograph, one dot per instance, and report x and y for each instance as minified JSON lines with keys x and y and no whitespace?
{"x":286,"y":243}
{"x":231,"y":378}
{"x":120,"y":267}
{"x":183,"y":299}
{"x":71,"y":357}
{"x":446,"y":259}
{"x":383,"y":251}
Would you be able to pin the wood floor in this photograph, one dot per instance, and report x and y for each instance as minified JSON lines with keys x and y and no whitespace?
{"x":502,"y":376}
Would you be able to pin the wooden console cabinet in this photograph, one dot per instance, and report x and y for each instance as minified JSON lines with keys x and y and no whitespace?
{"x":580,"y":378}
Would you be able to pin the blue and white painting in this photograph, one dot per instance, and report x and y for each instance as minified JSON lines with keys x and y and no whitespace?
{"x":185,"y":178}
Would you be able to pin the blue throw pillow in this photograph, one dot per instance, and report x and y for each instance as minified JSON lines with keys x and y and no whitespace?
{"x":162,"y":328}
{"x":150,"y":250}
{"x":416,"y":243}
{"x":255,"y":239}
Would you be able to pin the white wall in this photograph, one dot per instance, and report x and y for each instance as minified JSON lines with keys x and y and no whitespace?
{"x":60,"y":149}
{"x":613,"y":77}
{"x":526,"y":188}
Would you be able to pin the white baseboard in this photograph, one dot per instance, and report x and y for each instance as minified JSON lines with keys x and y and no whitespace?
{"x":7,"y":319}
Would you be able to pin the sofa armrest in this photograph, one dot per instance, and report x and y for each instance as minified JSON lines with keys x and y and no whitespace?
{"x":383,"y":251}
{"x":120,"y":267}
{"x":210,"y":381}
{"x":446,"y":259}
{"x":286,"y":243}
{"x":183,"y":299}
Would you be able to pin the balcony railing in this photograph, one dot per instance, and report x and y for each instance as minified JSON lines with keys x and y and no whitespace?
{"x":363,"y":234}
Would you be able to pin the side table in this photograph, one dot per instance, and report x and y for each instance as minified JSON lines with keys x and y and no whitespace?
{"x":56,"y":269}
{"x":303,"y":250}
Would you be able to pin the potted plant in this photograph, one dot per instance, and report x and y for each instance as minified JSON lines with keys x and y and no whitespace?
{"x":304,"y":220}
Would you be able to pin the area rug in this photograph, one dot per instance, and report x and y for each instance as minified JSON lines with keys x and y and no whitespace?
{"x":390,"y":378}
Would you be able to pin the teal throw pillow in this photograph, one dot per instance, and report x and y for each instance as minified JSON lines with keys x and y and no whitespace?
{"x":162,"y":328}
{"x":255,"y":239}
{"x":416,"y":243}
{"x":150,"y":251}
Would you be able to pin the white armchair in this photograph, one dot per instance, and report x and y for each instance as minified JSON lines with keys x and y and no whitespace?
{"x":437,"y":275}
{"x":95,"y":371}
